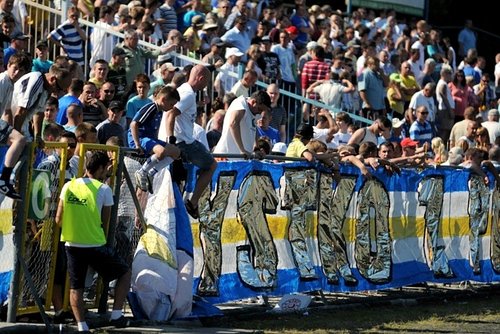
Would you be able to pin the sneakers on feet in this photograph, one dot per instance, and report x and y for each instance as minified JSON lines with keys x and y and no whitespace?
{"x":141,"y":180}
{"x":192,"y":210}
{"x":121,"y":322}
{"x":8,"y":190}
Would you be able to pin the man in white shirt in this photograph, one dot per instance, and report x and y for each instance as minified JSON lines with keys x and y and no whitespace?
{"x":228,"y":73}
{"x":179,"y":130}
{"x":239,"y":129}
{"x":492,"y":125}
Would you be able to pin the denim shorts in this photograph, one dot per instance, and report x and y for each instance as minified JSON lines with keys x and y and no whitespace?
{"x":197,"y":154}
{"x":5,"y":131}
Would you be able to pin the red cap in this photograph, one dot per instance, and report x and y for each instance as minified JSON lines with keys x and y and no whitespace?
{"x":292,"y":30}
{"x":408,"y":142}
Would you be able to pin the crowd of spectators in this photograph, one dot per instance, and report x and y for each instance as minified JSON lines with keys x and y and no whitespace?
{"x":427,"y":102}
{"x":397,"y":71}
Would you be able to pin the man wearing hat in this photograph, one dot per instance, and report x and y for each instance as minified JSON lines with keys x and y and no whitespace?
{"x":269,"y":62}
{"x":224,"y":82}
{"x":111,"y":126}
{"x":116,"y":73}
{"x":167,"y":71}
{"x":196,"y":10}
{"x":41,"y":63}
{"x":209,"y":31}
{"x":17,"y":44}
{"x":213,"y":56}
{"x":197,"y":23}
{"x":239,"y":129}
{"x":409,"y":148}
{"x":306,"y":56}
{"x":492,"y":125}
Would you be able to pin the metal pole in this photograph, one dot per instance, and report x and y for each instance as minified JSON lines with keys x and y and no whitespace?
{"x":19,"y":227}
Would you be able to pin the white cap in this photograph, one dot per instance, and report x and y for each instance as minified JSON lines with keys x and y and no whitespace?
{"x":233,"y":52}
{"x":311,"y":45}
{"x":396,"y":123}
{"x":279,"y":148}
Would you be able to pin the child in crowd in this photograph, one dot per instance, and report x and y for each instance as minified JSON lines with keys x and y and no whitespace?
{"x":143,"y":135}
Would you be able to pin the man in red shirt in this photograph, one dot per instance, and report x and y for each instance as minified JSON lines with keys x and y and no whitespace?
{"x":314,"y":70}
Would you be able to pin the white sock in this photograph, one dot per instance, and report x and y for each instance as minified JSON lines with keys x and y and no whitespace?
{"x":150,"y":162}
{"x":159,"y":164}
{"x":115,"y":314}
{"x":82,"y":326}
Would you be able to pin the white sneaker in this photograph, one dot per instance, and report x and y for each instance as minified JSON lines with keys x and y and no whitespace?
{"x":8,"y":190}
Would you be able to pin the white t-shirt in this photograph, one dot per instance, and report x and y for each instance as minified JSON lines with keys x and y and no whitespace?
{"x":102,"y":43}
{"x":227,"y":143}
{"x":6,"y":89}
{"x":200,"y":135}
{"x":419,"y":99}
{"x":184,"y":123}
{"x":30,"y":94}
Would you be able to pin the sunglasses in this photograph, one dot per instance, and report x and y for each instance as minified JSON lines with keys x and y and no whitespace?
{"x":424,"y":112}
{"x":72,"y":145}
{"x":108,"y":91}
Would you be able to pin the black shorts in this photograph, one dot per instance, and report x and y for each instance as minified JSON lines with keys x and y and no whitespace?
{"x":102,"y":259}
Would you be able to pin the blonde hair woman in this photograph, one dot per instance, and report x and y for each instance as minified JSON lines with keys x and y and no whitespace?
{"x":254,"y":54}
{"x":440,"y":153}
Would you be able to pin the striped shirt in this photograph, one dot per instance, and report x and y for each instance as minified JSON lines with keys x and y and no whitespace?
{"x":314,"y":70}
{"x":71,"y":41}
{"x":29,"y":93}
{"x":169,"y":16}
{"x":422,"y":132}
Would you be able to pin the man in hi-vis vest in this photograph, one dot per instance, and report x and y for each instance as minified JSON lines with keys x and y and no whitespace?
{"x":84,"y":208}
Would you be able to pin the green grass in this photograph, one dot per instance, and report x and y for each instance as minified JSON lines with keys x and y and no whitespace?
{"x":477,"y":315}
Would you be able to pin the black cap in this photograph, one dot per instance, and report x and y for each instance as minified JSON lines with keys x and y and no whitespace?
{"x":42,"y":44}
{"x":19,"y":36}
{"x":116,"y":106}
{"x":305,"y":130}
{"x":118,"y":51}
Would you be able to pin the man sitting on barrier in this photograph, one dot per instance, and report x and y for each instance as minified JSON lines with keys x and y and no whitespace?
{"x":179,"y":129}
{"x":143,"y":135}
{"x":84,"y":208}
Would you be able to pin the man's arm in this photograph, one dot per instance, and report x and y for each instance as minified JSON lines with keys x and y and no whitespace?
{"x":356,"y":137}
{"x":105,"y":215}
{"x":134,"y":131}
{"x":59,"y":214}
{"x":235,"y":129}
{"x":171,"y":115}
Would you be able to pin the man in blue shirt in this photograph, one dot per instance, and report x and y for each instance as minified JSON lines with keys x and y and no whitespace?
{"x":143,"y":135}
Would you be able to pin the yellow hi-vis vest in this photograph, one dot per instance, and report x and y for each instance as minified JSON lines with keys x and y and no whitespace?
{"x":81,"y":220}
